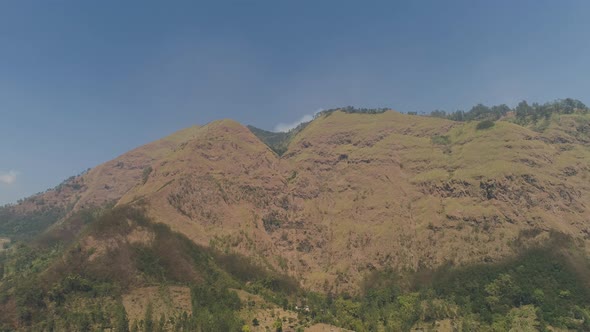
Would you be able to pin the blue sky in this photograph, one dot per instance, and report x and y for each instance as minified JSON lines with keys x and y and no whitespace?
{"x":84,"y":81}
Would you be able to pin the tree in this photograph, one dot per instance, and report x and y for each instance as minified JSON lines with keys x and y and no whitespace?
{"x":457,"y":116}
{"x":479,"y":112}
{"x":148,"y":322}
{"x":500,"y":110}
{"x":121,"y":320}
{"x":162,"y":323}
{"x":438,"y":114}
{"x":146,"y":174}
{"x":502,"y":293}
{"x":278,"y":325}
{"x":523,"y":319}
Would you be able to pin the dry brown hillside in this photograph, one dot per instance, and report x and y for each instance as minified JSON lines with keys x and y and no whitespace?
{"x":356,"y":192}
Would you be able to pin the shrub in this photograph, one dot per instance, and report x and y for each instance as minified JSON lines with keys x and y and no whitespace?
{"x":485,"y":124}
{"x":272,"y":222}
{"x":146,"y":174}
{"x":440,"y":139}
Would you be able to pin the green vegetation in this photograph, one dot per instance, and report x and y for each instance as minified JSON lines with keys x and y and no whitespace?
{"x":272,"y":222}
{"x":485,"y":124}
{"x":121,"y":321}
{"x":146,"y":174}
{"x":536,"y":290}
{"x":524,"y":113}
{"x":352,"y":110}
{"x":24,"y":226}
{"x":56,"y":285}
{"x":441,"y":140}
{"x":278,"y":325}
{"x":539,"y":285}
{"x":215,"y":309}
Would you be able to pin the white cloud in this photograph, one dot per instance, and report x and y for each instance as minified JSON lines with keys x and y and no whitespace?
{"x":284,"y":127}
{"x":8,"y":177}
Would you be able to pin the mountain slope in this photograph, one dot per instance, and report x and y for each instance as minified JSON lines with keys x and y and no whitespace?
{"x":404,"y":211}
{"x":356,"y":192}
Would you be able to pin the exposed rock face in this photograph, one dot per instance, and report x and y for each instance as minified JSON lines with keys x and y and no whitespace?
{"x":355,"y":192}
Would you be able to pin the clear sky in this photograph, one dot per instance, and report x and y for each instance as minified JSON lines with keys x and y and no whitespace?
{"x":84,"y":81}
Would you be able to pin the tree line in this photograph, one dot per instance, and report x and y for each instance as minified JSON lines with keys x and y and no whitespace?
{"x":524,"y":112}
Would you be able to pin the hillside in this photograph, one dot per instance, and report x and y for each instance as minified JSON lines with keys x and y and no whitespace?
{"x":330,"y":205}
{"x":350,"y":183}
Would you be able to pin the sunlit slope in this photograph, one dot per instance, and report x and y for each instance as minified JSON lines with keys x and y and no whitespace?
{"x":357,"y":192}
{"x":411,"y":192}
{"x":106,"y":183}
{"x":218,"y":185}
{"x":102,"y":185}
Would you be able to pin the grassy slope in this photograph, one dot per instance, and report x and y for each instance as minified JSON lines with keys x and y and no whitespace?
{"x":359,"y":190}
{"x":441,"y":210}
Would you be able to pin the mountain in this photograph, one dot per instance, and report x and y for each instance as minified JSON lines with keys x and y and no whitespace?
{"x":348,"y":200}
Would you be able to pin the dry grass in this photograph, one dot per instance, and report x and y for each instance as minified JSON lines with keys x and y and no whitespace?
{"x":3,"y":242}
{"x":361,"y":191}
{"x":170,"y":301}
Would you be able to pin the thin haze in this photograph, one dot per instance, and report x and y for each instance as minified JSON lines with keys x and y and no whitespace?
{"x":84,"y":81}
